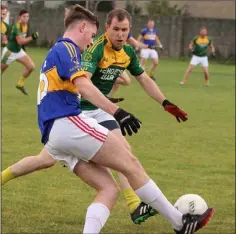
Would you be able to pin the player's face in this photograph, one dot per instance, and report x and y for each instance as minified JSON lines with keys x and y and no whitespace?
{"x":203,"y":32}
{"x":3,"y":14}
{"x":118,"y":32}
{"x":24,"y":18}
{"x":151,"y":24}
{"x":89,"y":32}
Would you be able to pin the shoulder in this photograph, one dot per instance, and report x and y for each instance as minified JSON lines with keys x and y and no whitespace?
{"x":65,"y":48}
{"x":144,"y":30}
{"x":98,"y":44}
{"x":129,"y":50}
{"x":17,"y":26}
{"x":6,"y":24}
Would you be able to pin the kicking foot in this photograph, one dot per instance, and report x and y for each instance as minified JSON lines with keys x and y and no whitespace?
{"x":192,"y":223}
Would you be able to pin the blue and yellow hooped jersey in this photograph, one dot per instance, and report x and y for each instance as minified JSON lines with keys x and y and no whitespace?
{"x":57,"y":95}
{"x":149,"y":36}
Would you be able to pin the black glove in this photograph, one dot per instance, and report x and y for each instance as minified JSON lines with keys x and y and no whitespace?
{"x":35,"y":36}
{"x":152,"y":47}
{"x":115,"y":100}
{"x":213,"y":54}
{"x":127,"y":121}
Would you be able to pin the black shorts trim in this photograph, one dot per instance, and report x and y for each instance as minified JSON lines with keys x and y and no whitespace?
{"x":110,"y":124}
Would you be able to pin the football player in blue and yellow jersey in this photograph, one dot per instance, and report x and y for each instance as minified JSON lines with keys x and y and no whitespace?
{"x":150,"y":37}
{"x":199,"y":47}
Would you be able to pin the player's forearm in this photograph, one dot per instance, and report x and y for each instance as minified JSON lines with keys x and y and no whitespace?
{"x":4,"y":39}
{"x":136,"y":43}
{"x":158,"y":42}
{"x":24,"y":41}
{"x":93,"y":95}
{"x":212,"y":49}
{"x":139,"y":38}
{"x":151,"y":88}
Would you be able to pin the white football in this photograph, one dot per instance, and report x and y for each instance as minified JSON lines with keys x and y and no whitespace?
{"x":192,"y":204}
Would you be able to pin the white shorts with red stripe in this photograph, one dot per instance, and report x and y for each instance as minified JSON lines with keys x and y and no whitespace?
{"x":75,"y":138}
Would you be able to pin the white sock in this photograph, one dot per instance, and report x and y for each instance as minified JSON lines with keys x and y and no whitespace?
{"x":152,"y":195}
{"x":96,"y":217}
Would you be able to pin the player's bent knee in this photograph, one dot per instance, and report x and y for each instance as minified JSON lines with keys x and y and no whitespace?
{"x":190,"y":69}
{"x":155,"y":63}
{"x":31,"y":68}
{"x":112,"y":190}
{"x":127,"y":81}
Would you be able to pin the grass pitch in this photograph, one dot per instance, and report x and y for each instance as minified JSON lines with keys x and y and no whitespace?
{"x":192,"y":157}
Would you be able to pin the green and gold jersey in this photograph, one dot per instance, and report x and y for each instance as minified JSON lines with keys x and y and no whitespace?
{"x":4,"y":29}
{"x":201,"y":45}
{"x":106,"y":65}
{"x":18,"y":29}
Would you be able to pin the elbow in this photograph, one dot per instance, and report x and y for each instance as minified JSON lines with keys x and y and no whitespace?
{"x":20,"y":43}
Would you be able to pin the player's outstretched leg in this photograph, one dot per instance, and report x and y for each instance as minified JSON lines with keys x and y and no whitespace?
{"x":101,"y":179}
{"x":139,"y":211}
{"x":154,"y":64}
{"x":114,"y":155}
{"x":28,"y":165}
{"x":28,"y":68}
{"x":206,"y":75}
{"x":187,"y":73}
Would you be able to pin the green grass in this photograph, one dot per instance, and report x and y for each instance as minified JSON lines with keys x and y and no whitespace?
{"x":192,"y":157}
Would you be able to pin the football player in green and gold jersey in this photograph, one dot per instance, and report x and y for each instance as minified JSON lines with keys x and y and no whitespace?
{"x":13,"y":51}
{"x":199,"y":47}
{"x":104,"y":62}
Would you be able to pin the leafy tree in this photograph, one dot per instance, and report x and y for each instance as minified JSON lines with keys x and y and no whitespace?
{"x":163,"y":8}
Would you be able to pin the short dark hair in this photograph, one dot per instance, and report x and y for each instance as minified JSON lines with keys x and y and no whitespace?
{"x":120,"y":14}
{"x":22,"y":12}
{"x":203,"y":27}
{"x":4,"y":7}
{"x":77,"y":12}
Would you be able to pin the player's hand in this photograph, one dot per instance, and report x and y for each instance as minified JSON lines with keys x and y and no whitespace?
{"x":174,"y":110}
{"x":137,"y":50}
{"x":128,"y":123}
{"x":161,"y":47}
{"x":35,"y":36}
{"x":115,"y":100}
